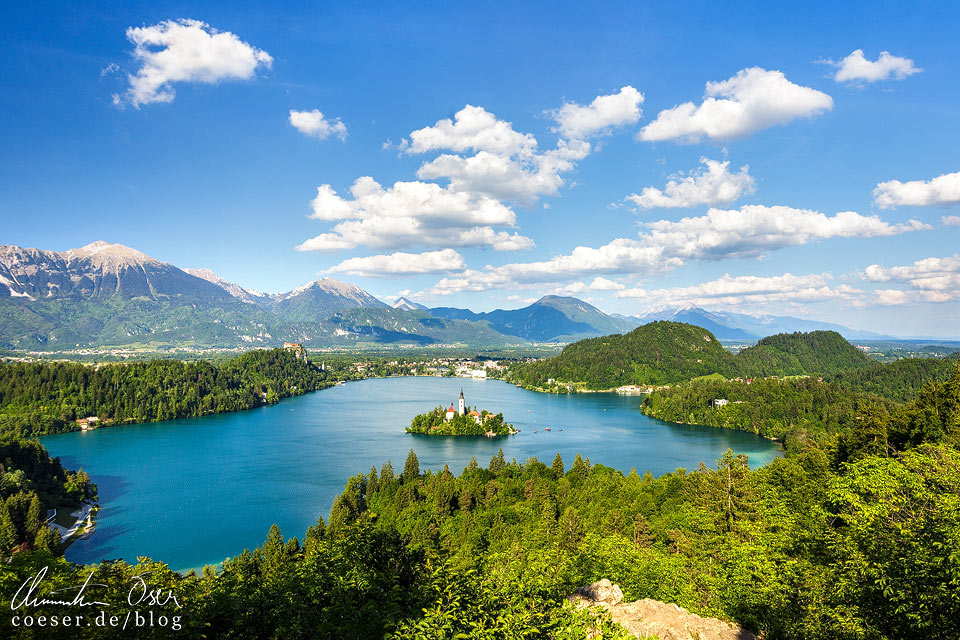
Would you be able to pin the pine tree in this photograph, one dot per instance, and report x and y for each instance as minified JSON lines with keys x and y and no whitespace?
{"x":580,"y":467}
{"x":557,"y":466}
{"x":571,"y":529}
{"x":273,"y":552}
{"x":498,"y":463}
{"x":473,"y":466}
{"x":372,"y":480}
{"x":411,"y":468}
{"x":386,"y":475}
{"x":642,"y":533}
{"x":34,"y":518}
{"x":8,"y":532}
{"x":47,"y":539}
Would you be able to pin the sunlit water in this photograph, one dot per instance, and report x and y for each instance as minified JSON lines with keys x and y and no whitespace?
{"x":193,"y":492}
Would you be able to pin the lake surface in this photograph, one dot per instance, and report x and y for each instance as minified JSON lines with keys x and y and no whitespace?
{"x":196,"y":491}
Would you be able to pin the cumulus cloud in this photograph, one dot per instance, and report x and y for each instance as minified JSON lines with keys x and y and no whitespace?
{"x":492,"y":158}
{"x":930,"y":280}
{"x":729,"y":291}
{"x":523,"y":179}
{"x":712,"y":186}
{"x":185,"y":51}
{"x":622,"y":255}
{"x":579,"y":122}
{"x":570,"y":289}
{"x":314,"y":124}
{"x":472,"y":128}
{"x":943,"y":190}
{"x":752,"y":100}
{"x":603,"y":284}
{"x":950,"y":221}
{"x":753,"y":230}
{"x":410,"y":214}
{"x":402,"y":264}
{"x":856,"y":68}
{"x":750,"y":231}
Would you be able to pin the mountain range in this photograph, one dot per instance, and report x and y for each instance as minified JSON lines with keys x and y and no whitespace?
{"x":730,"y":326}
{"x":110,"y":295}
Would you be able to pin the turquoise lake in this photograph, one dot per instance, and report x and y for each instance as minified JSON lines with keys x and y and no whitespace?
{"x":193,"y":492}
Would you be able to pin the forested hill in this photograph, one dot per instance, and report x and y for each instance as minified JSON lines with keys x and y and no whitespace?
{"x":665,"y":352}
{"x":38,"y":398}
{"x":900,"y":380}
{"x":655,"y":353}
{"x":795,"y":354}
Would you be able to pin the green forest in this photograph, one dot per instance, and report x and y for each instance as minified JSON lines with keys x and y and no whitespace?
{"x":31,"y":482}
{"x":661,"y":353}
{"x":39,"y":398}
{"x":435,"y":423}
{"x":853,"y":534}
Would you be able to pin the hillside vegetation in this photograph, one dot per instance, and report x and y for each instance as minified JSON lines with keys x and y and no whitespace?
{"x":665,"y":352}
{"x":852,"y":536}
{"x":797,"y":354}
{"x":31,"y":482}
{"x":900,"y":380}
{"x":38,"y":398}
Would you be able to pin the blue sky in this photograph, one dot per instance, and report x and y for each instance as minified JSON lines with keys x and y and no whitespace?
{"x":197,"y":162}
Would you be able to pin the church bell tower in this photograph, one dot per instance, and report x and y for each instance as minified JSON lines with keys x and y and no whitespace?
{"x":462,"y":408}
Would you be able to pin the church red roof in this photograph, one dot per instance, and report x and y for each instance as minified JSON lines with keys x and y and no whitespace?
{"x":451,"y":409}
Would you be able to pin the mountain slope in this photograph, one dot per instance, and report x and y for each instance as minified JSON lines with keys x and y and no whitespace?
{"x":109,"y":294}
{"x":250,"y":296}
{"x":397,"y":326}
{"x":97,"y":271}
{"x":715,"y":323}
{"x":741,"y":326}
{"x":315,"y":300}
{"x":549,"y":319}
{"x":408,"y":305}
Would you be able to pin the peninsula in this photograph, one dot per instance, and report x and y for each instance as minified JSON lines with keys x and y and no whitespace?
{"x":462,"y":421}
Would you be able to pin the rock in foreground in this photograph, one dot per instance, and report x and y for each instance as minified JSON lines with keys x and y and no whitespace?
{"x":647,"y":617}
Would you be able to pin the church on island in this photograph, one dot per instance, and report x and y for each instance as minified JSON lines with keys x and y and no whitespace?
{"x":460,"y":420}
{"x":461,"y":409}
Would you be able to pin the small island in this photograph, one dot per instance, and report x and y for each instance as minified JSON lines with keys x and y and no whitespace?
{"x":462,"y":421}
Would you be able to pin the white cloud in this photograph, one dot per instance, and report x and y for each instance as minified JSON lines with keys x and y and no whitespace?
{"x":472,"y":128}
{"x":402,"y":264}
{"x":186,"y":51}
{"x":622,"y":255}
{"x":950,"y":221}
{"x":602,"y":284}
{"x":520,"y":178}
{"x":569,"y":289}
{"x":753,"y":230}
{"x":746,"y":232}
{"x":313,"y":123}
{"x":942,"y":190}
{"x":505,"y":163}
{"x":930,"y":280}
{"x":580,"y":122}
{"x":729,"y":291}
{"x":855,"y":67}
{"x":753,"y":99}
{"x":410,"y":214}
{"x":713,"y":186}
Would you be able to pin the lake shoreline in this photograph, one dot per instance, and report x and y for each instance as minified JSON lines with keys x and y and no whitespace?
{"x":258,"y":468}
